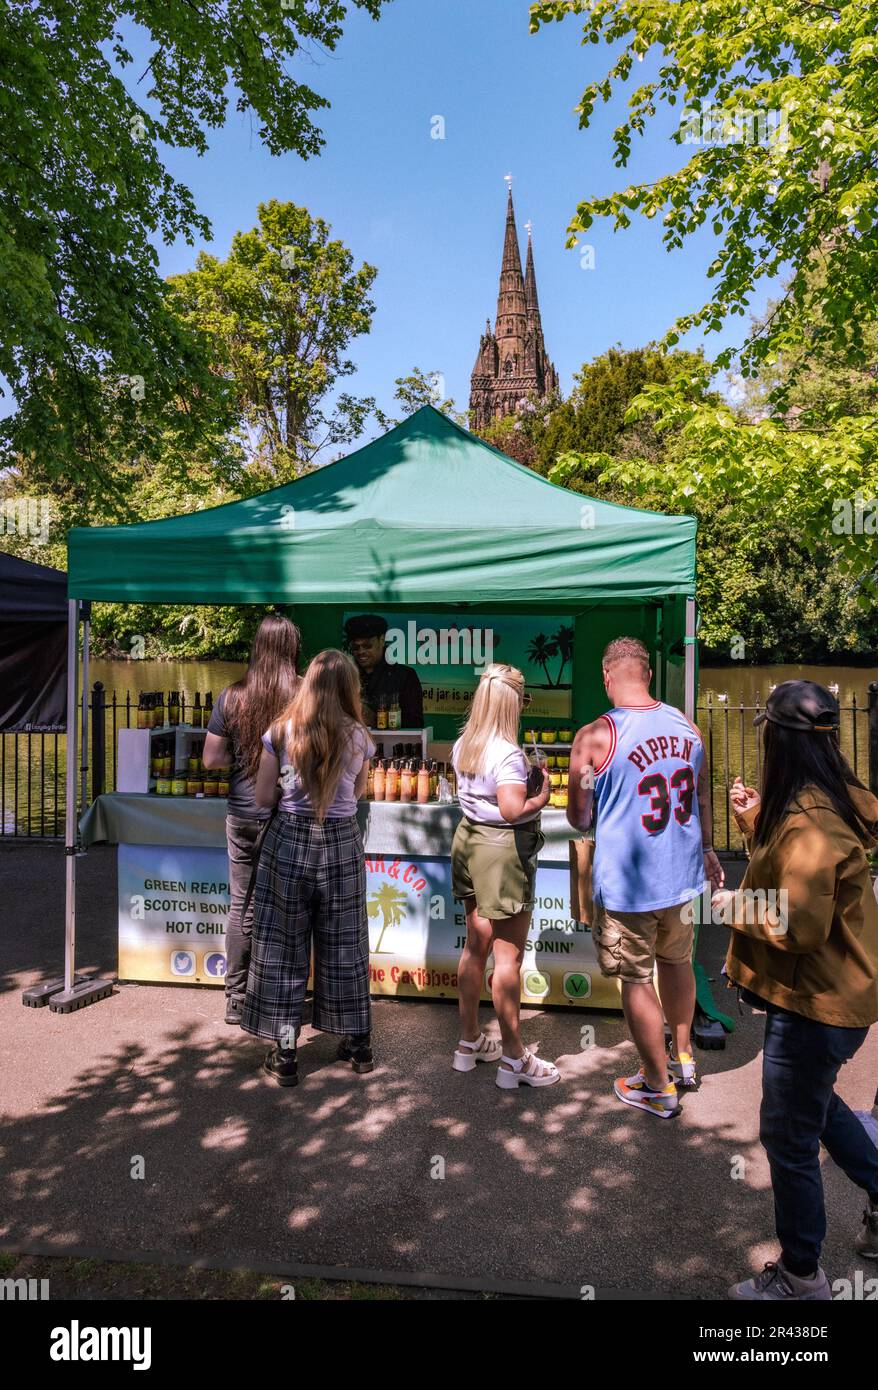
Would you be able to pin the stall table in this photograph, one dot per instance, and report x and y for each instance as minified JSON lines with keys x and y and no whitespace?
{"x":174,"y":899}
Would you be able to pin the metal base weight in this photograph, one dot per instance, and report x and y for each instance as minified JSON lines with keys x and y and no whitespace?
{"x":709,"y":1034}
{"x":83,"y":993}
{"x":38,"y":996}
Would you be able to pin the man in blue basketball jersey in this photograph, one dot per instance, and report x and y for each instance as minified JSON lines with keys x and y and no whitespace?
{"x":642,"y":764}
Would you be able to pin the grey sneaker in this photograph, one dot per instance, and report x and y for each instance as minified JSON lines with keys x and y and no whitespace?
{"x":867,"y":1240}
{"x":778,"y":1284}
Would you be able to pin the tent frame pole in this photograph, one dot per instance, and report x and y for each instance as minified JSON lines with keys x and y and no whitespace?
{"x":689,"y":661}
{"x":70,"y":791}
{"x":83,"y":733}
{"x":77,"y":991}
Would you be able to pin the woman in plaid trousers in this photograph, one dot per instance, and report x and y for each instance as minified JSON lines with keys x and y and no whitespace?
{"x":311,"y":882}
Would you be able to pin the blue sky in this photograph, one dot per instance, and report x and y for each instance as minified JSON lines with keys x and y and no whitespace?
{"x":429,"y":213}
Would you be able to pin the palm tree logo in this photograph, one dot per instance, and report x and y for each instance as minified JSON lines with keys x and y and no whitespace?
{"x":539,"y":652}
{"x":562,"y":641}
{"x":391,"y":903}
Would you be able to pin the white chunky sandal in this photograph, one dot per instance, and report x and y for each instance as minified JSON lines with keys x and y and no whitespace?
{"x":526,"y":1071}
{"x":484,"y":1049}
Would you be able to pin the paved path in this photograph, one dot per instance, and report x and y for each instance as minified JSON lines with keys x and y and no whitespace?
{"x":557,"y":1187}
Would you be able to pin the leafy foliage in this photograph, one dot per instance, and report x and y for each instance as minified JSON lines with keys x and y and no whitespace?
{"x":417,"y":390}
{"x":279,"y":314}
{"x":84,"y":192}
{"x":783,"y":561}
{"x":780,"y":102}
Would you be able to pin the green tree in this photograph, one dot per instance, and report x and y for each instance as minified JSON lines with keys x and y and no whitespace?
{"x":786,"y":552}
{"x":520,"y":436}
{"x":279,"y":314}
{"x":780,"y":104}
{"x":416,"y":390}
{"x":593,"y":418}
{"x":84,"y":194}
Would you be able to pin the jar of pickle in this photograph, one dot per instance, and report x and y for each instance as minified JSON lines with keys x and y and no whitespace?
{"x":548,"y":736}
{"x":565,"y":735}
{"x":163,"y":786}
{"x":194,"y":785}
{"x":555,"y":779}
{"x":211,"y":782}
{"x":178,"y":783}
{"x":222,"y":781}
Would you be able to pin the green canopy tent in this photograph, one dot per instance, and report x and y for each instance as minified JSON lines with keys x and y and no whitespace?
{"x":426,"y":517}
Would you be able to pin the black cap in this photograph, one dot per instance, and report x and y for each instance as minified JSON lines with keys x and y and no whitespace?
{"x":365,"y":625}
{"x":801,"y":705}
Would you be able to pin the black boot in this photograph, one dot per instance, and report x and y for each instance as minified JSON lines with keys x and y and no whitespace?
{"x":233,"y":1010}
{"x":283,"y":1064}
{"x":356,"y":1049}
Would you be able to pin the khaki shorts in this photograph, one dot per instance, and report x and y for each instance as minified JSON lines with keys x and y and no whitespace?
{"x":628,"y":944}
{"x":496,"y":865}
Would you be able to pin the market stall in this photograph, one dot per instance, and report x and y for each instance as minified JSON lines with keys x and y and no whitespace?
{"x":465,"y":556}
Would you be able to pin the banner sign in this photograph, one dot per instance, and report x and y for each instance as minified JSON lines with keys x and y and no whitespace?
{"x":417,"y":932}
{"x":448,"y":655}
{"x":174,"y":902}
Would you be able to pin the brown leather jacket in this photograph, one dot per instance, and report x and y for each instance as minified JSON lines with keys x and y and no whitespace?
{"x":819,"y":955}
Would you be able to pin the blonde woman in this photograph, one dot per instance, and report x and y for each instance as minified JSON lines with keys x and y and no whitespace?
{"x":493,"y":869}
{"x":311,"y":883}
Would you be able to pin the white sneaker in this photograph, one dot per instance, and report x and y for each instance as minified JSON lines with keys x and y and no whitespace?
{"x":777,"y":1284}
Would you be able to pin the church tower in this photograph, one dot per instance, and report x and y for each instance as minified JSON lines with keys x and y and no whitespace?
{"x":512,"y":361}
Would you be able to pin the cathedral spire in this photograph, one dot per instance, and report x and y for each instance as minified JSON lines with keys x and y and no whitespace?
{"x":511,"y":298}
{"x":530,"y":282}
{"x":512,"y":363}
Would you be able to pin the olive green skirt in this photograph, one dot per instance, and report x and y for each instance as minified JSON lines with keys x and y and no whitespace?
{"x":496,"y":865}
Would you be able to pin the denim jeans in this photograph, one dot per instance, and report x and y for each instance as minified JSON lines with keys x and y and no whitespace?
{"x":800,"y":1109}
{"x":242,"y":834}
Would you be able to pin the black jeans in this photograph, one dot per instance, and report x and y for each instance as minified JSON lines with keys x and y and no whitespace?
{"x":800,"y":1109}
{"x":242,"y":835}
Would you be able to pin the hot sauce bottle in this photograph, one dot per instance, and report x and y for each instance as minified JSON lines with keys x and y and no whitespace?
{"x":379,"y":781}
{"x":391,"y":782}
{"x":381,"y":716}
{"x":207,"y":711}
{"x":406,"y":780}
{"x":394,"y":717}
{"x":196,"y":711}
{"x":423,"y":784}
{"x":174,"y":707}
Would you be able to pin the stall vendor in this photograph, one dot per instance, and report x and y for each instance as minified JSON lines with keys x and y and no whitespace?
{"x":380,"y":679}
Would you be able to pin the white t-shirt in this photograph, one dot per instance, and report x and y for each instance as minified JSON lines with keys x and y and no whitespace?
{"x":504,"y":763}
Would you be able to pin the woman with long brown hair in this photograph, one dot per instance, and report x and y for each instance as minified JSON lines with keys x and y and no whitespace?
{"x":234,"y":736}
{"x":311,"y":883}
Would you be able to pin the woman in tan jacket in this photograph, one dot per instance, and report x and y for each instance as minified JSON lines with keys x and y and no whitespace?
{"x":805,"y":949}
